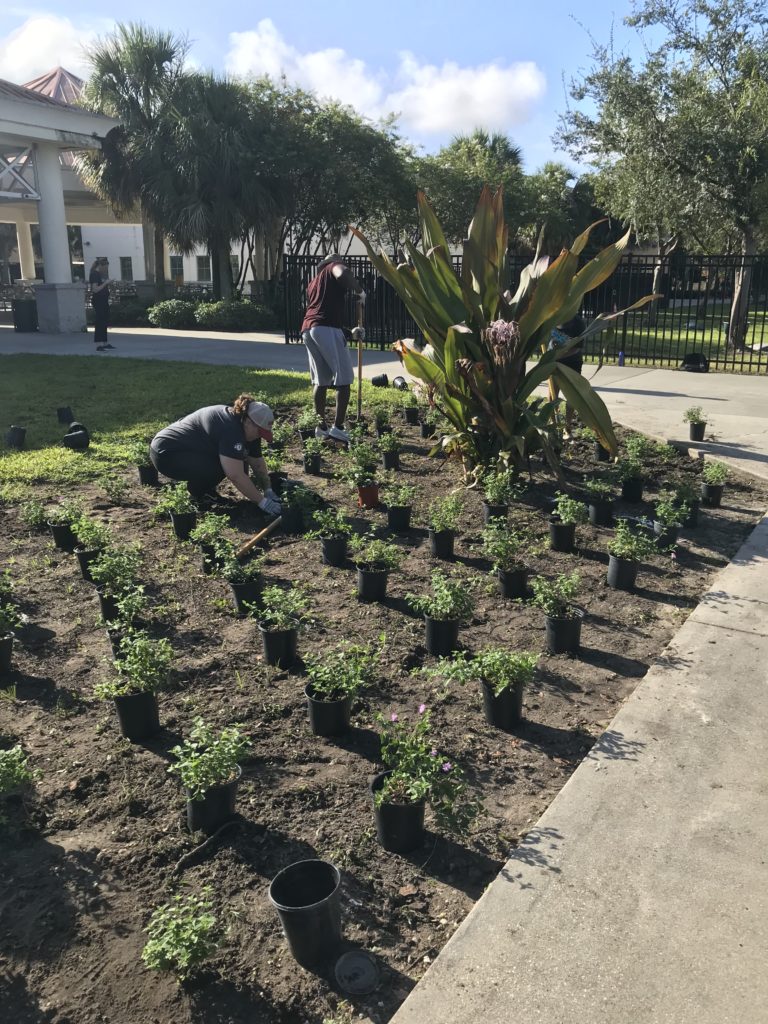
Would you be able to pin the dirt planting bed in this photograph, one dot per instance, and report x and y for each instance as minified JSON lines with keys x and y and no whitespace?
{"x":92,"y":850}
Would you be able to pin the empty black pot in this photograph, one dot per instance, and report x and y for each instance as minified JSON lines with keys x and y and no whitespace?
{"x":390,"y":460}
{"x":563,"y":635}
{"x":411,"y":413}
{"x":15,"y":437}
{"x":306,"y":896}
{"x":601,"y":454}
{"x":400,"y":383}
{"x":246,"y":593}
{"x":504,"y":711}
{"x":666,"y":536}
{"x":513,"y":583}
{"x":64,"y":414}
{"x":441,"y":543}
{"x":399,"y":518}
{"x":279,"y":646}
{"x":84,"y":559}
{"x":441,"y":636}
{"x":381,"y":380}
{"x":138,"y":715}
{"x":632,"y":489}
{"x":399,"y":827}
{"x":147,"y":475}
{"x":312,"y":465}
{"x":622,"y":573}
{"x":77,"y":440}
{"x":183,"y":524}
{"x":334,"y":551}
{"x":561,"y":535}
{"x":328,"y":717}
{"x":63,"y":537}
{"x":372,"y":584}
{"x":600,"y":512}
{"x":306,"y":432}
{"x":6,"y":651}
{"x":427,"y":430}
{"x":711,"y":495}
{"x":216,"y":806}
{"x":696,"y":431}
{"x":491,"y":511}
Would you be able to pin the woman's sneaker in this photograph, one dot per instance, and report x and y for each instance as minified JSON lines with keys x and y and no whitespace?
{"x":338,"y":434}
{"x":321,"y":433}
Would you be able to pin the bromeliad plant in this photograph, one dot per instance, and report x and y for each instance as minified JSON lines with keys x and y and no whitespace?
{"x":499,"y":668}
{"x":343,"y":672}
{"x":207,"y":759}
{"x":478,"y":336}
{"x":450,"y":599}
{"x":555,"y":597}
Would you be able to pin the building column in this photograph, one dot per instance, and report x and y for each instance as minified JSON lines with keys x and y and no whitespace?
{"x":60,"y":302}
{"x":26,"y":252}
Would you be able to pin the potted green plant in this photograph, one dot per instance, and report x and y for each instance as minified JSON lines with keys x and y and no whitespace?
{"x":626,"y":550}
{"x":360,"y":471}
{"x":313,"y":450}
{"x":15,"y":774}
{"x":9,"y":623}
{"x":600,"y":501}
{"x":399,"y":499}
{"x":182,"y":934}
{"x":142,"y":668}
{"x":668,"y":518}
{"x":375,"y":560}
{"x":114,"y":571}
{"x":502,"y":675}
{"x":279,"y":616}
{"x":390,"y":446}
{"x":381,"y":420}
{"x":128,"y":607}
{"x":429,"y":421}
{"x":630,"y":473}
{"x":416,"y":773}
{"x":567,"y":514}
{"x":600,"y":453}
{"x":208,"y":534}
{"x":449,"y":604}
{"x":208,"y":764}
{"x":33,"y":514}
{"x":443,"y":518}
{"x":60,"y":521}
{"x":498,"y":489}
{"x":92,"y":538}
{"x":307,"y":423}
{"x":410,"y":406}
{"x":333,"y":529}
{"x":245,"y":578}
{"x":696,"y":421}
{"x":282,"y":433}
{"x":713,"y":478}
{"x":298,"y":505}
{"x":686,"y":495}
{"x":138,"y":453}
{"x":333,"y":681}
{"x":505,"y":548}
{"x":176,"y":501}
{"x":277,"y":477}
{"x":562,"y":619}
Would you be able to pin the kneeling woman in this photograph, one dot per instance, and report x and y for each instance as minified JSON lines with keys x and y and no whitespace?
{"x":216,"y":442}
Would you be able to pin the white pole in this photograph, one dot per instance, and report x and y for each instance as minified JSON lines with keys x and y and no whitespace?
{"x":54,"y":239}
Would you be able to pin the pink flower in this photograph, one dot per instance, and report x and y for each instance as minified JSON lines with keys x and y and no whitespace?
{"x":393,"y":717}
{"x":422,"y":708}
{"x":447,"y":766}
{"x":433,"y":752}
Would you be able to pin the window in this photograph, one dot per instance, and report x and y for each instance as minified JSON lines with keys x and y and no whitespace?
{"x":126,"y":268}
{"x":234,"y":262}
{"x":203,"y":268}
{"x":177,"y":269}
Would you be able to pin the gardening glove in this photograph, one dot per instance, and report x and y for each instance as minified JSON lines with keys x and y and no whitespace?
{"x":271,"y":506}
{"x":269,"y":493}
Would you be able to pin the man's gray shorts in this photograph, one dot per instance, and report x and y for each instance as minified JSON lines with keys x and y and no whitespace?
{"x":330,"y":364}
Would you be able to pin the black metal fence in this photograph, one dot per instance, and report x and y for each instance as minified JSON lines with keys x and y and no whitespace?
{"x":692,"y":315}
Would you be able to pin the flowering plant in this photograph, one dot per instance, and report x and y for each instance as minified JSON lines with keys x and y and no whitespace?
{"x":418,"y":771}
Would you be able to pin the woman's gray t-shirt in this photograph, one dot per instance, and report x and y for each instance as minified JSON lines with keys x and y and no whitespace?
{"x":212,"y":430}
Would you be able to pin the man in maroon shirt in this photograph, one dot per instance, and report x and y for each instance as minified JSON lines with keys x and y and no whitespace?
{"x":330,"y":364}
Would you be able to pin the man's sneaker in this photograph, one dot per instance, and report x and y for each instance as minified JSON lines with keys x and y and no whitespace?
{"x":338,"y":434}
{"x":321,"y":433}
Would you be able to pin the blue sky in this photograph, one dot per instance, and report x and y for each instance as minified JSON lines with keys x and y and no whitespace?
{"x":444,"y":67}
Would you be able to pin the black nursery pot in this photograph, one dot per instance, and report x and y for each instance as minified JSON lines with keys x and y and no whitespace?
{"x":427,"y":430}
{"x":245,"y":593}
{"x":513,"y":583}
{"x":107,"y":605}
{"x":399,"y":827}
{"x":328,"y":717}
{"x":561,"y":535}
{"x":307,"y":898}
{"x":441,"y":635}
{"x":84,"y":559}
{"x":505,"y":711}
{"x":666,"y":536}
{"x":183,"y":524}
{"x":372,"y":584}
{"x":292,"y":520}
{"x":138,"y":715}
{"x":601,"y":513}
{"x":441,"y":543}
{"x":491,"y":511}
{"x":312,"y":465}
{"x":209,"y":558}
{"x":6,"y":650}
{"x":279,"y":646}
{"x":15,"y":437}
{"x":216,"y":807}
{"x":399,"y":518}
{"x":276,"y":480}
{"x":711,"y":495}
{"x":64,"y":414}
{"x":411,"y":413}
{"x":632,"y":489}
{"x":147,"y":475}
{"x":601,"y":454}
{"x":306,"y":432}
{"x":696,"y":431}
{"x":692,"y":519}
{"x":390,"y":460}
{"x":563,"y":635}
{"x":622,"y":573}
{"x":334,"y":551}
{"x":380,"y":381}
{"x":63,"y":537}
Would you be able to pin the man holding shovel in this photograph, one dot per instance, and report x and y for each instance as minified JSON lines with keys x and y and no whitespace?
{"x":322,"y":332}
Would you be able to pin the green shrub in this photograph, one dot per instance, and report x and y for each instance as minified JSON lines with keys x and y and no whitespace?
{"x":554,"y":596}
{"x":206,"y":759}
{"x":234,"y":315}
{"x":449,"y":599}
{"x":443,"y":513}
{"x":182,"y":934}
{"x":142,"y":667}
{"x":129,"y":314}
{"x":173,"y":315}
{"x":497,"y":667}
{"x":630,"y":545}
{"x":569,"y":510}
{"x":714,"y":473}
{"x":374,"y":555}
{"x":14,"y":770}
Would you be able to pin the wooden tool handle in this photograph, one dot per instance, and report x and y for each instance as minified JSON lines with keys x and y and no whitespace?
{"x":251,"y":544}
{"x":359,"y":364}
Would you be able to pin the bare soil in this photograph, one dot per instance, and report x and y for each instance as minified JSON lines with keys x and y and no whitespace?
{"x":90,"y":852}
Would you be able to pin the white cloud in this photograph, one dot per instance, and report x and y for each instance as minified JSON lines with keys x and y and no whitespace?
{"x":431,"y":100}
{"x":43,"y":42}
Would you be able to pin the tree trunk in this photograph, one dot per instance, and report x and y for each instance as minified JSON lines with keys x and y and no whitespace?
{"x":737,"y":326}
{"x":221,"y":271}
{"x":663,"y":252}
{"x":148,"y":241}
{"x":159,"y":239}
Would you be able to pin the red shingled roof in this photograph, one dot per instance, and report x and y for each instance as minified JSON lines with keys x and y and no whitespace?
{"x":59,"y":85}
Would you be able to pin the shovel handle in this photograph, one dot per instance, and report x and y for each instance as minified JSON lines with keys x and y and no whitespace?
{"x":251,"y":544}
{"x":359,"y":364}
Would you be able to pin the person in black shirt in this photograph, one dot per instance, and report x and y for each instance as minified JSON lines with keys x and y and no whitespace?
{"x":99,"y":281}
{"x":215,"y":442}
